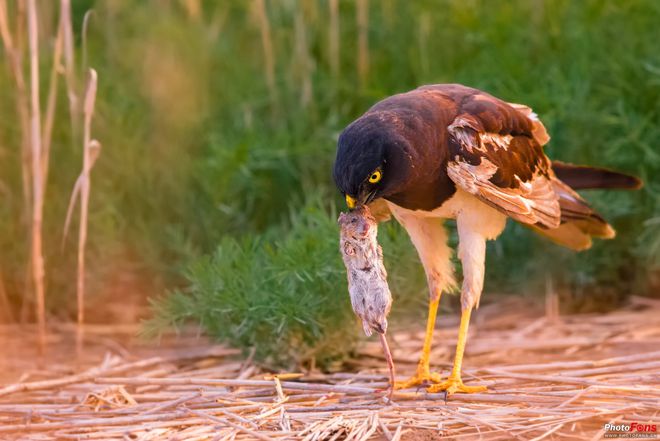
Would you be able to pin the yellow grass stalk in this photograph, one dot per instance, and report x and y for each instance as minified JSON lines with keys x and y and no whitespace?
{"x":267,"y":44}
{"x":12,"y":50}
{"x":5,"y":307}
{"x":69,"y":69}
{"x":91,"y":149}
{"x":551,"y":300}
{"x":21,"y":14}
{"x":85,"y":26}
{"x":52,"y":101}
{"x":193,"y":8}
{"x":334,"y":38}
{"x":363,"y":41}
{"x":95,"y":150}
{"x":303,"y":59}
{"x":37,"y":186}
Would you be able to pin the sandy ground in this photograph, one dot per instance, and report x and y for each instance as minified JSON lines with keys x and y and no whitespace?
{"x":549,"y":378}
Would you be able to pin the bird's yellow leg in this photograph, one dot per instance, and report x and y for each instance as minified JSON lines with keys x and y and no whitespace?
{"x":454,"y":383}
{"x":423,"y":374}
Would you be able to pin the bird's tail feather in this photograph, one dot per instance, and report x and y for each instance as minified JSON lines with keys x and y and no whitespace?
{"x":581,"y":177}
{"x":579,"y":222}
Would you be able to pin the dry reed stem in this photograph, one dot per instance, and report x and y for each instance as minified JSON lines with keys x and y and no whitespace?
{"x":333,"y":37}
{"x":85,"y":27}
{"x":5,"y":306}
{"x":304,"y":60}
{"x":184,"y":395}
{"x":193,"y":8}
{"x":38,"y":269}
{"x":269,"y":57}
{"x":226,"y":422}
{"x":95,"y":150}
{"x":88,"y":161}
{"x":363,"y":41}
{"x":13,"y":53}
{"x":69,"y":65}
{"x":551,"y":300}
{"x":112,"y":370}
{"x":52,"y":101}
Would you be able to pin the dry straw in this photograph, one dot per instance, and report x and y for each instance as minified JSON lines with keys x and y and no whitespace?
{"x":38,"y":270}
{"x":202,"y":392}
{"x":35,"y":144}
{"x":91,"y":150}
{"x":69,"y":64}
{"x":13,"y":53}
{"x":52,"y":99}
{"x":14,"y":48}
{"x":6,"y":315}
{"x":81,"y":191}
{"x":36,"y":140}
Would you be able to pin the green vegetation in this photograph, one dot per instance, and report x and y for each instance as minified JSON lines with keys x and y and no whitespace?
{"x":288,"y":287}
{"x":288,"y":284}
{"x":201,"y":158}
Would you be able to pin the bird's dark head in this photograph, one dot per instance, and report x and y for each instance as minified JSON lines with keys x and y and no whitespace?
{"x":371,"y":160}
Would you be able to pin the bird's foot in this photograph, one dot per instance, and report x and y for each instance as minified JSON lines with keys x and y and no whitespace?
{"x":422,"y":377}
{"x":454,"y":384}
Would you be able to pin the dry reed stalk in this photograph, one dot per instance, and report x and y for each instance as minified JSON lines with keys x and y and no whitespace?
{"x":21,"y":21}
{"x":52,"y":101}
{"x":85,"y":26}
{"x":363,"y":41}
{"x":91,"y":150}
{"x":69,"y":64}
{"x":193,"y":8}
{"x":304,"y":61}
{"x":5,"y":306}
{"x":551,"y":300}
{"x":113,"y":370}
{"x":234,"y":425}
{"x":172,"y":403}
{"x":583,"y":363}
{"x":38,"y":270}
{"x":333,"y":38}
{"x":267,"y":45}
{"x":232,"y":383}
{"x":525,"y":408}
{"x":13,"y":52}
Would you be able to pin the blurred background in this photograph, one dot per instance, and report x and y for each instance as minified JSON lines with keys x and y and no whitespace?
{"x":213,"y":196}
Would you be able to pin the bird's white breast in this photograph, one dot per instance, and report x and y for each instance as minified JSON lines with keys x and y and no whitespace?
{"x":478,"y":215}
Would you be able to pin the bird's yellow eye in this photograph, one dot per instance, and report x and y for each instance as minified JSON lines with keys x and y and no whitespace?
{"x":375,"y":176}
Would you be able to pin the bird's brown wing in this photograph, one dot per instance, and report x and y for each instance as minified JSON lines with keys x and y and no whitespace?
{"x":496,"y":154}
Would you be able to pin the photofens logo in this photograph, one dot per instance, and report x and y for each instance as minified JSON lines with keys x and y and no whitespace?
{"x":631,"y":430}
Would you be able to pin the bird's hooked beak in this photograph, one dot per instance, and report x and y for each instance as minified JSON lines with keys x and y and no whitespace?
{"x":363,"y":199}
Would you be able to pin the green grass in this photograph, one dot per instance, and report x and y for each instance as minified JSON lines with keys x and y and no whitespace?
{"x":195,"y":156}
{"x":279,"y":293}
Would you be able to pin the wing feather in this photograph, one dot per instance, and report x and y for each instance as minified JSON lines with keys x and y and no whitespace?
{"x":497,"y":155}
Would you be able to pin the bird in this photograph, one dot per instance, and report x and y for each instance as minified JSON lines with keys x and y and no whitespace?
{"x":448,"y":151}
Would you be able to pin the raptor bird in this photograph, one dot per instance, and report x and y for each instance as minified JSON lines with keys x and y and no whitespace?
{"x":453,"y":152}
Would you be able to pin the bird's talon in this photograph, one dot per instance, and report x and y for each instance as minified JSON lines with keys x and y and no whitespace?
{"x":453,"y":385}
{"x":419,"y":379}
